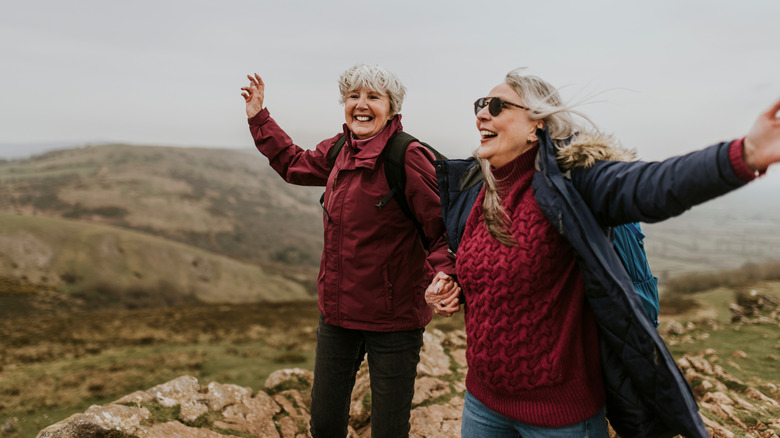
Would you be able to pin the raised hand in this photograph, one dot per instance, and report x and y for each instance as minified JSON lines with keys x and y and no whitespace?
{"x":442,"y":295}
{"x":254,"y":95}
{"x":762,"y":144}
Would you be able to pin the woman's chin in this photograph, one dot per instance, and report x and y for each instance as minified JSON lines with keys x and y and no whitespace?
{"x":484,"y":153}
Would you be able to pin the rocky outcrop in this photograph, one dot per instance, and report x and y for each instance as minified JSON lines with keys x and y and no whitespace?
{"x":753,"y":308}
{"x":729,"y":406}
{"x":184,"y":407}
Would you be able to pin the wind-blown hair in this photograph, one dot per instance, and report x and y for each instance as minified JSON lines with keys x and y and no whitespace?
{"x":375,"y":78}
{"x":545,"y":104}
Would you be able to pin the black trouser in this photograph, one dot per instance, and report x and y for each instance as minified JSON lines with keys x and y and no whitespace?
{"x":392,"y":364}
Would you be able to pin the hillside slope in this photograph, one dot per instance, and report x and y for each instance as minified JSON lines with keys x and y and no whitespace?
{"x":79,"y":264}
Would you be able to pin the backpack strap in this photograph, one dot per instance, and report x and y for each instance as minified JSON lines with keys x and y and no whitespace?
{"x":334,"y":151}
{"x":394,"y":156}
{"x":640,"y":236}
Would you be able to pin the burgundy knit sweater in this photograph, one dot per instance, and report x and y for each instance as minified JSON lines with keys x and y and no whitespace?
{"x":533,"y":351}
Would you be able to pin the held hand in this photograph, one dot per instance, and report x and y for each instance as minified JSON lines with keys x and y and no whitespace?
{"x":442,"y":295}
{"x":254,"y":95}
{"x":762,"y":144}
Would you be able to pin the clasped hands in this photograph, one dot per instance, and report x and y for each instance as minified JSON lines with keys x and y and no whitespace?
{"x":443,"y":295}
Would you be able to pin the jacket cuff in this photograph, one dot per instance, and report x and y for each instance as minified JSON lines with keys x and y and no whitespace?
{"x":738,"y":161}
{"x":260,"y":117}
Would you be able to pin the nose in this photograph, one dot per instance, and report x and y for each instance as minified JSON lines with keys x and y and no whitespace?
{"x":484,"y":113}
{"x":362,"y":101}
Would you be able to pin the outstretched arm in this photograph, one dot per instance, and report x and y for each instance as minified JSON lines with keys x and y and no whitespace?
{"x":254,"y":95}
{"x":294,"y":164}
{"x":762,"y":144}
{"x":620,"y":192}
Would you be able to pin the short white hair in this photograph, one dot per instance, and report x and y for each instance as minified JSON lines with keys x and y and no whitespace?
{"x":374,"y":78}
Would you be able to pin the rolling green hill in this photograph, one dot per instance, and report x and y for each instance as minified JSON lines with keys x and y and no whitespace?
{"x":225,"y":201}
{"x":51,"y":264}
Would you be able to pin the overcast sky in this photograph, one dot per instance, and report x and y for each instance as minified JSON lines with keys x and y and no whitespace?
{"x":674,"y":75}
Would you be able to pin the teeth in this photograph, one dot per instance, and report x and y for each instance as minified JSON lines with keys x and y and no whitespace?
{"x":485,"y":133}
{"x":362,"y":118}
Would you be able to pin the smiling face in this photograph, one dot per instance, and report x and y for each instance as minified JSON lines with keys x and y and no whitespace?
{"x":510,"y":133}
{"x":366,"y":112}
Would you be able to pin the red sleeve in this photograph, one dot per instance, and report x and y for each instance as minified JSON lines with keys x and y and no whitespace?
{"x":422,"y":194}
{"x":294,"y":164}
{"x":738,"y":161}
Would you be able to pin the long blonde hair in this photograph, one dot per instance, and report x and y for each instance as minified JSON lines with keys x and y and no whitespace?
{"x":545,"y":104}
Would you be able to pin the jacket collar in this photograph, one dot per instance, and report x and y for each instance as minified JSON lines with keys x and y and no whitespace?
{"x":584,"y":149}
{"x":365,"y":152}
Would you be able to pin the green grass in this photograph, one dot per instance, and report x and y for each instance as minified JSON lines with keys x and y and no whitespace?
{"x":163,"y":414}
{"x":756,"y":340}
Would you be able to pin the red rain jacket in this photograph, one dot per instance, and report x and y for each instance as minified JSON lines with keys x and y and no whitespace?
{"x":374,"y":269}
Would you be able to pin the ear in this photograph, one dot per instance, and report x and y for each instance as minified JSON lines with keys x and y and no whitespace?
{"x":532,"y":137}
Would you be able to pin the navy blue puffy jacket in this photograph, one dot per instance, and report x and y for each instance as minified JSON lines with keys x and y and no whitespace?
{"x":647,"y":394}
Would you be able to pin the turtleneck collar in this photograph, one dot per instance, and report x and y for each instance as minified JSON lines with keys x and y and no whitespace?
{"x":511,"y":172}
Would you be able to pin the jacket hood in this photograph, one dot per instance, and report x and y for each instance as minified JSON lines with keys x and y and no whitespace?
{"x":587,"y":148}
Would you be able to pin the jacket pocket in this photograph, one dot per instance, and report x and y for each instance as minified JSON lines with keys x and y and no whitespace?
{"x":388,"y":289}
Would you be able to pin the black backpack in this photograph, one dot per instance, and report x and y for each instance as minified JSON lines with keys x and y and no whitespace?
{"x":394,"y":155}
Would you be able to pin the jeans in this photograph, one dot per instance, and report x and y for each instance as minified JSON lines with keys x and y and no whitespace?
{"x":392,"y":364}
{"x":480,"y":421}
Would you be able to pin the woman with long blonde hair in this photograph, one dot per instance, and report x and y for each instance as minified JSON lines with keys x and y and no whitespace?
{"x":557,"y":339}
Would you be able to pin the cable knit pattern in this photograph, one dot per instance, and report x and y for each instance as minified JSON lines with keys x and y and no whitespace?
{"x":532,"y":345}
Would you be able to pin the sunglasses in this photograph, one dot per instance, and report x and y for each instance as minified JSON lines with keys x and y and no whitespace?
{"x":494,"y":104}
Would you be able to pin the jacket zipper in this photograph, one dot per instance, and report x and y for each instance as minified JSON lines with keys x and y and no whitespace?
{"x":338,"y":246}
{"x":330,"y":198}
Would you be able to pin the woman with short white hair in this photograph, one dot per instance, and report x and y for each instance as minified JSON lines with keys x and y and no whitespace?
{"x":375,"y":266}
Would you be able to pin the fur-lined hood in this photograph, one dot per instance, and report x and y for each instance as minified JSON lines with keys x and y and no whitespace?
{"x":587,"y":148}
